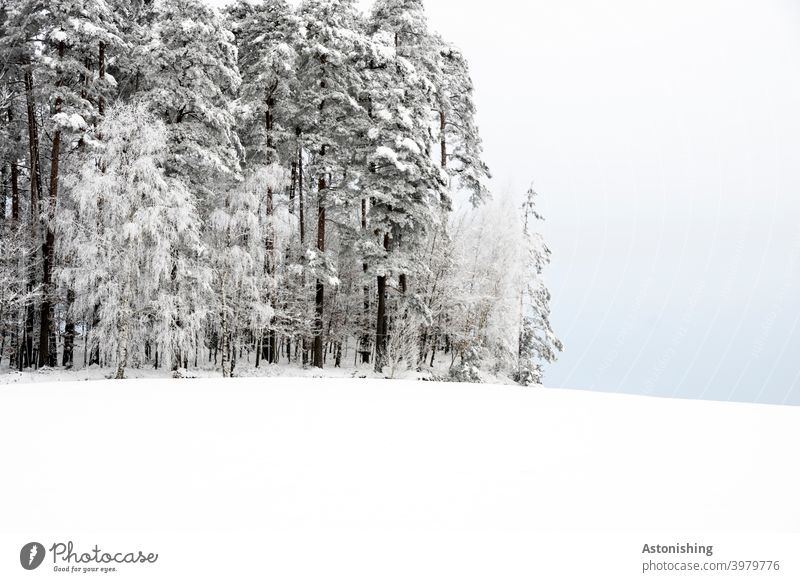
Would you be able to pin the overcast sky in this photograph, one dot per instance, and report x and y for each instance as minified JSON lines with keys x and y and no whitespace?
{"x":664,"y":139}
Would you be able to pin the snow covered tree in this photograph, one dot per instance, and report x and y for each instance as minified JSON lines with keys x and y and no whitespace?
{"x":405,"y":187}
{"x":329,"y":119}
{"x":14,"y":293}
{"x":460,"y":145}
{"x":265,"y":33}
{"x":495,"y":314}
{"x":243,"y":282}
{"x":13,"y":239}
{"x":537,"y":342}
{"x":54,"y":46}
{"x":130,"y":221}
{"x":189,"y":78}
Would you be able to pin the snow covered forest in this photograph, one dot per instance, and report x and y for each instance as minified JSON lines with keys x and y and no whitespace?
{"x":185,"y":188}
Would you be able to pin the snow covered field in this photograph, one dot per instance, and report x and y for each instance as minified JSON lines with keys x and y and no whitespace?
{"x":304,"y":479}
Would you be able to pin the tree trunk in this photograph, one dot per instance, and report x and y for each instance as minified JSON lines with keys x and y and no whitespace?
{"x":380,"y":324}
{"x":101,"y":73}
{"x":4,"y":209}
{"x":271,"y":343}
{"x":47,"y":357}
{"x":46,"y":307}
{"x":300,"y":196}
{"x":94,"y":353}
{"x":292,"y":187}
{"x":36,"y":195}
{"x":365,"y":347}
{"x":122,"y":348}
{"x":69,"y":332}
{"x":14,"y":174}
{"x":319,"y":302}
{"x":227,"y":368}
{"x":33,"y":143}
{"x":14,"y":192}
{"x":442,"y":139}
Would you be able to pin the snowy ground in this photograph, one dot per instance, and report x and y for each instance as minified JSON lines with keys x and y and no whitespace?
{"x":245,"y":368}
{"x":340,"y":479}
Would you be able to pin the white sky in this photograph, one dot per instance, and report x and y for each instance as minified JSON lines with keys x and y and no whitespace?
{"x":664,"y":138}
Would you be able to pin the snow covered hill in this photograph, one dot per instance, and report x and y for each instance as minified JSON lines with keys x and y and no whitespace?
{"x":373,"y":476}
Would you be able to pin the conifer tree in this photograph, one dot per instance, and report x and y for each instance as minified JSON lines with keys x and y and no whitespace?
{"x":264,"y":34}
{"x":189,"y":78}
{"x":537,"y":341}
{"x":460,"y":145}
{"x":405,"y":187}
{"x":54,"y":45}
{"x":330,"y":53}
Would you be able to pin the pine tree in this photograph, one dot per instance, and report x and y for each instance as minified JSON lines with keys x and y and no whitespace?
{"x":460,"y":144}
{"x":329,"y":119}
{"x":264,"y":35}
{"x":55,"y":45}
{"x":405,"y":187}
{"x":537,"y":342}
{"x":189,"y":78}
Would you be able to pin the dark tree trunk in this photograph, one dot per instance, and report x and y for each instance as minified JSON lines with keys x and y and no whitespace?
{"x":14,"y":175}
{"x":36,"y":195}
{"x":300,"y":196}
{"x":292,"y":187}
{"x":268,"y":344}
{"x":273,"y":347}
{"x":380,"y":327}
{"x":69,"y":332}
{"x":94,"y":355}
{"x":46,"y":309}
{"x":14,"y":192}
{"x":319,"y":301}
{"x":47,"y":356}
{"x":101,"y":68}
{"x":4,"y":192}
{"x":380,"y":324}
{"x":14,"y":339}
{"x":365,"y":343}
{"x":33,"y":143}
{"x":27,"y":360}
{"x":302,"y":220}
{"x":443,"y":139}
